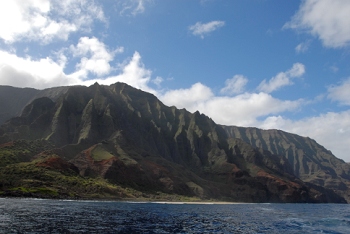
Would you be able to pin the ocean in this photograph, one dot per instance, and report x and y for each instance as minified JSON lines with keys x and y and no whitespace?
{"x":64,"y":216}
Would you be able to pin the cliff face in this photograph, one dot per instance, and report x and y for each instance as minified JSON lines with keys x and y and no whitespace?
{"x":129,"y":138}
{"x":309,"y":161}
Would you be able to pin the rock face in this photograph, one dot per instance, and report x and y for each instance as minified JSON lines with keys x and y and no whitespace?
{"x":309,"y":161}
{"x":129,"y":138}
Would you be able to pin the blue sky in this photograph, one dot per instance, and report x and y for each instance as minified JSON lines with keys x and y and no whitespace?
{"x":260,"y":63}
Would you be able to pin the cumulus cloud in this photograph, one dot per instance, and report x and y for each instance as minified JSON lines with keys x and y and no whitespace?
{"x":94,"y":66}
{"x":189,"y":98}
{"x":340,"y":93}
{"x":28,"y":72}
{"x":200,"y":29}
{"x":45,"y":20}
{"x":243,"y":109}
{"x":234,"y":85}
{"x":95,"y":57}
{"x":326,"y":19}
{"x":282,"y":79}
{"x":133,"y":73}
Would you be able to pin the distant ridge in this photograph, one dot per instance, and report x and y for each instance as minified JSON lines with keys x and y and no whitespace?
{"x":13,"y":100}
{"x":310,"y":161}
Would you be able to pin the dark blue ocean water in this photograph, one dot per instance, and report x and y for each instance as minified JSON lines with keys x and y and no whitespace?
{"x":55,"y":216}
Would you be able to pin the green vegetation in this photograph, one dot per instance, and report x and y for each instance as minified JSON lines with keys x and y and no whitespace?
{"x":24,"y":174}
{"x":99,"y":154}
{"x":28,"y":179}
{"x":43,"y":191}
{"x":21,"y":151}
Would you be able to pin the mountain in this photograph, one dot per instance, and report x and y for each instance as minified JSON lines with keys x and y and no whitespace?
{"x":310,"y":161}
{"x":13,"y":100}
{"x":120,"y":142}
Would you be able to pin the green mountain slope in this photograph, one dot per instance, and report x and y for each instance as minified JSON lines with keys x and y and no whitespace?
{"x":122,"y":139}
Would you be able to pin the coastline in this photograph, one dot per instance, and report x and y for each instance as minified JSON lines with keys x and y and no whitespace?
{"x":196,"y":202}
{"x":143,"y":198}
{"x":91,"y":199}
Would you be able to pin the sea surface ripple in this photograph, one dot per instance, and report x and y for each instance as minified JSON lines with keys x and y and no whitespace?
{"x":59,"y":216}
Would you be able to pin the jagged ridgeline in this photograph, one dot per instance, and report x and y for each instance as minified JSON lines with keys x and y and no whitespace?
{"x":118,"y":142}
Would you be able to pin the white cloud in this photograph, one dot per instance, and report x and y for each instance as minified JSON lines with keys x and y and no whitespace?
{"x":326,"y":19}
{"x":46,"y":72}
{"x":340,"y":93}
{"x":45,"y":20}
{"x":140,"y":8}
{"x":243,"y":109}
{"x":200,"y":29}
{"x":132,"y":7}
{"x":133,"y":73}
{"x":94,"y":66}
{"x":188,"y":98}
{"x":157,"y":81}
{"x":282,"y":78}
{"x":95,"y":57}
{"x":28,"y":72}
{"x":297,"y":70}
{"x":302,"y":47}
{"x":234,"y":85}
{"x":331,"y":130}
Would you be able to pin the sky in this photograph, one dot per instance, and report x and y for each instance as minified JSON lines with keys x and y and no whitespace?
{"x":269,"y":64}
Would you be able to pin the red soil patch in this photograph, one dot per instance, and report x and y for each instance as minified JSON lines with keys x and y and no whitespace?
{"x":235,"y":169}
{"x":277,"y":180}
{"x":56,"y":163}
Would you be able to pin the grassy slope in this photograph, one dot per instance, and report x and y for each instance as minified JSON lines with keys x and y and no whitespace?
{"x":24,"y":172}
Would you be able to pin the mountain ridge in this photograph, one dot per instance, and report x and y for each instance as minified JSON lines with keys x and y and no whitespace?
{"x":129,"y":138}
{"x":310,"y":161}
